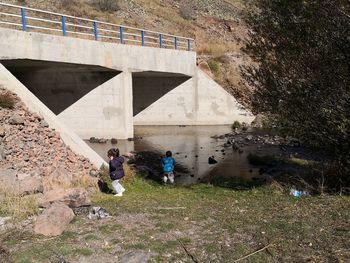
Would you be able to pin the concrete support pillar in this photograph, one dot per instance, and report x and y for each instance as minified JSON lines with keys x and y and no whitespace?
{"x":128,"y":104}
{"x":105,"y":112}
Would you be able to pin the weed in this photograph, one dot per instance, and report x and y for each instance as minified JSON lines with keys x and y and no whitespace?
{"x":186,"y":10}
{"x":214,"y":67}
{"x":91,"y":237}
{"x":217,"y":49}
{"x":6,"y":100}
{"x":84,"y":251}
{"x":236,"y":125}
{"x":107,"y":5}
{"x":298,"y":161}
{"x":17,"y":206}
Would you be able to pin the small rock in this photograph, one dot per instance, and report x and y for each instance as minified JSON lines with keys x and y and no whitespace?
{"x":4,"y":219}
{"x":54,"y":220}
{"x":16,"y":119}
{"x":2,"y":131}
{"x":249,"y":137}
{"x":2,"y":153}
{"x":93,"y":173}
{"x":130,"y":139}
{"x":136,"y":257}
{"x":93,"y":140}
{"x":44,"y":124}
{"x":98,"y":213}
{"x":211,"y":160}
{"x":114,"y":141}
{"x":102,"y":140}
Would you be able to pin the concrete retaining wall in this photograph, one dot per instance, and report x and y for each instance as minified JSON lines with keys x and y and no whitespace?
{"x":198,"y":101}
{"x":105,"y":112}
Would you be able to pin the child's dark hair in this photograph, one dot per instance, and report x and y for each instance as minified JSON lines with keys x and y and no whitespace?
{"x":114,"y":152}
{"x":168,"y":154}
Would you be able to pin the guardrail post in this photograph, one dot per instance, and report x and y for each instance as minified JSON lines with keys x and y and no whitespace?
{"x":24,"y":22}
{"x":143,"y":38}
{"x":121,"y":30}
{"x":95,"y":31}
{"x":64,"y":28}
{"x":189,"y":45}
{"x":175,"y":42}
{"x":160,"y":40}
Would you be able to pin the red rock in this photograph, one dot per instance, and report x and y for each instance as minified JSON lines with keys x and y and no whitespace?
{"x":54,"y":220}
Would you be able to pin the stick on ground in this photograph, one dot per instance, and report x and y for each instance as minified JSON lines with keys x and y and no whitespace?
{"x":259,"y":250}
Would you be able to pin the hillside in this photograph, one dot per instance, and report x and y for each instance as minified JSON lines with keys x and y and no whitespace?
{"x":215,"y":24}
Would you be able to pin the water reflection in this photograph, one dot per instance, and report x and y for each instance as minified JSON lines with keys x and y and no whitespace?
{"x":191,"y":147}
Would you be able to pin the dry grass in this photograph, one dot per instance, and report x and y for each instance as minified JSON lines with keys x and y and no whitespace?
{"x":217,"y":49}
{"x":16,"y":206}
{"x":7,"y":100}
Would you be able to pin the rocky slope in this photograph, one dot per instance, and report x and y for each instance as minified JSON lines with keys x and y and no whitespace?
{"x":216,"y":25}
{"x":37,"y":169}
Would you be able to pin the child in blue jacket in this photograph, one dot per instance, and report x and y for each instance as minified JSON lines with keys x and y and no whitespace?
{"x":168,"y":164}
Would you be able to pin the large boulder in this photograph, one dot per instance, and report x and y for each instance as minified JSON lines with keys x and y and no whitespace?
{"x":74,"y":197}
{"x":30,"y":185}
{"x":8,"y":178}
{"x":61,"y":177}
{"x":54,"y":220}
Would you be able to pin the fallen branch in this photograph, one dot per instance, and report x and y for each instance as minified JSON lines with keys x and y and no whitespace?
{"x":170,"y":208}
{"x":187,"y":252}
{"x":255,"y":252}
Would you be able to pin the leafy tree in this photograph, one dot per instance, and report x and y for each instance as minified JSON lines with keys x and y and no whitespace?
{"x":302,"y":70}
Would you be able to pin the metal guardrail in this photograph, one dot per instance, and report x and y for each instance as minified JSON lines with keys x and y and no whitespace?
{"x":30,"y":19}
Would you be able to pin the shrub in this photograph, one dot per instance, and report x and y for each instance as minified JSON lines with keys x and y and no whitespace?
{"x":21,"y":2}
{"x":6,"y":100}
{"x":108,"y":5}
{"x":186,"y":11}
{"x":214,"y":67}
{"x":236,"y":125}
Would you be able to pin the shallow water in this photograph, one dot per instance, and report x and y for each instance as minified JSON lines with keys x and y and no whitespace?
{"x":191,"y":147}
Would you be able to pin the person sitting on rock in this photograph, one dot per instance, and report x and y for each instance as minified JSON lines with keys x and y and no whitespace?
{"x":116,"y":171}
{"x":168,"y":164}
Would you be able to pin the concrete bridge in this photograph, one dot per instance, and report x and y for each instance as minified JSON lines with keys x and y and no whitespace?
{"x":87,"y":82}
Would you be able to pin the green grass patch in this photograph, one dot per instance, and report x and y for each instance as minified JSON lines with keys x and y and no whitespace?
{"x":84,"y":251}
{"x":215,"y":223}
{"x":298,"y":161}
{"x":214,"y":67}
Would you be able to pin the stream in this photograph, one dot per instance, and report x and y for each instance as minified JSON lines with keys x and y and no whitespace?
{"x":191,"y":147}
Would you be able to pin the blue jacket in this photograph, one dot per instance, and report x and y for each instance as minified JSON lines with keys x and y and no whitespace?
{"x":168,"y":164}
